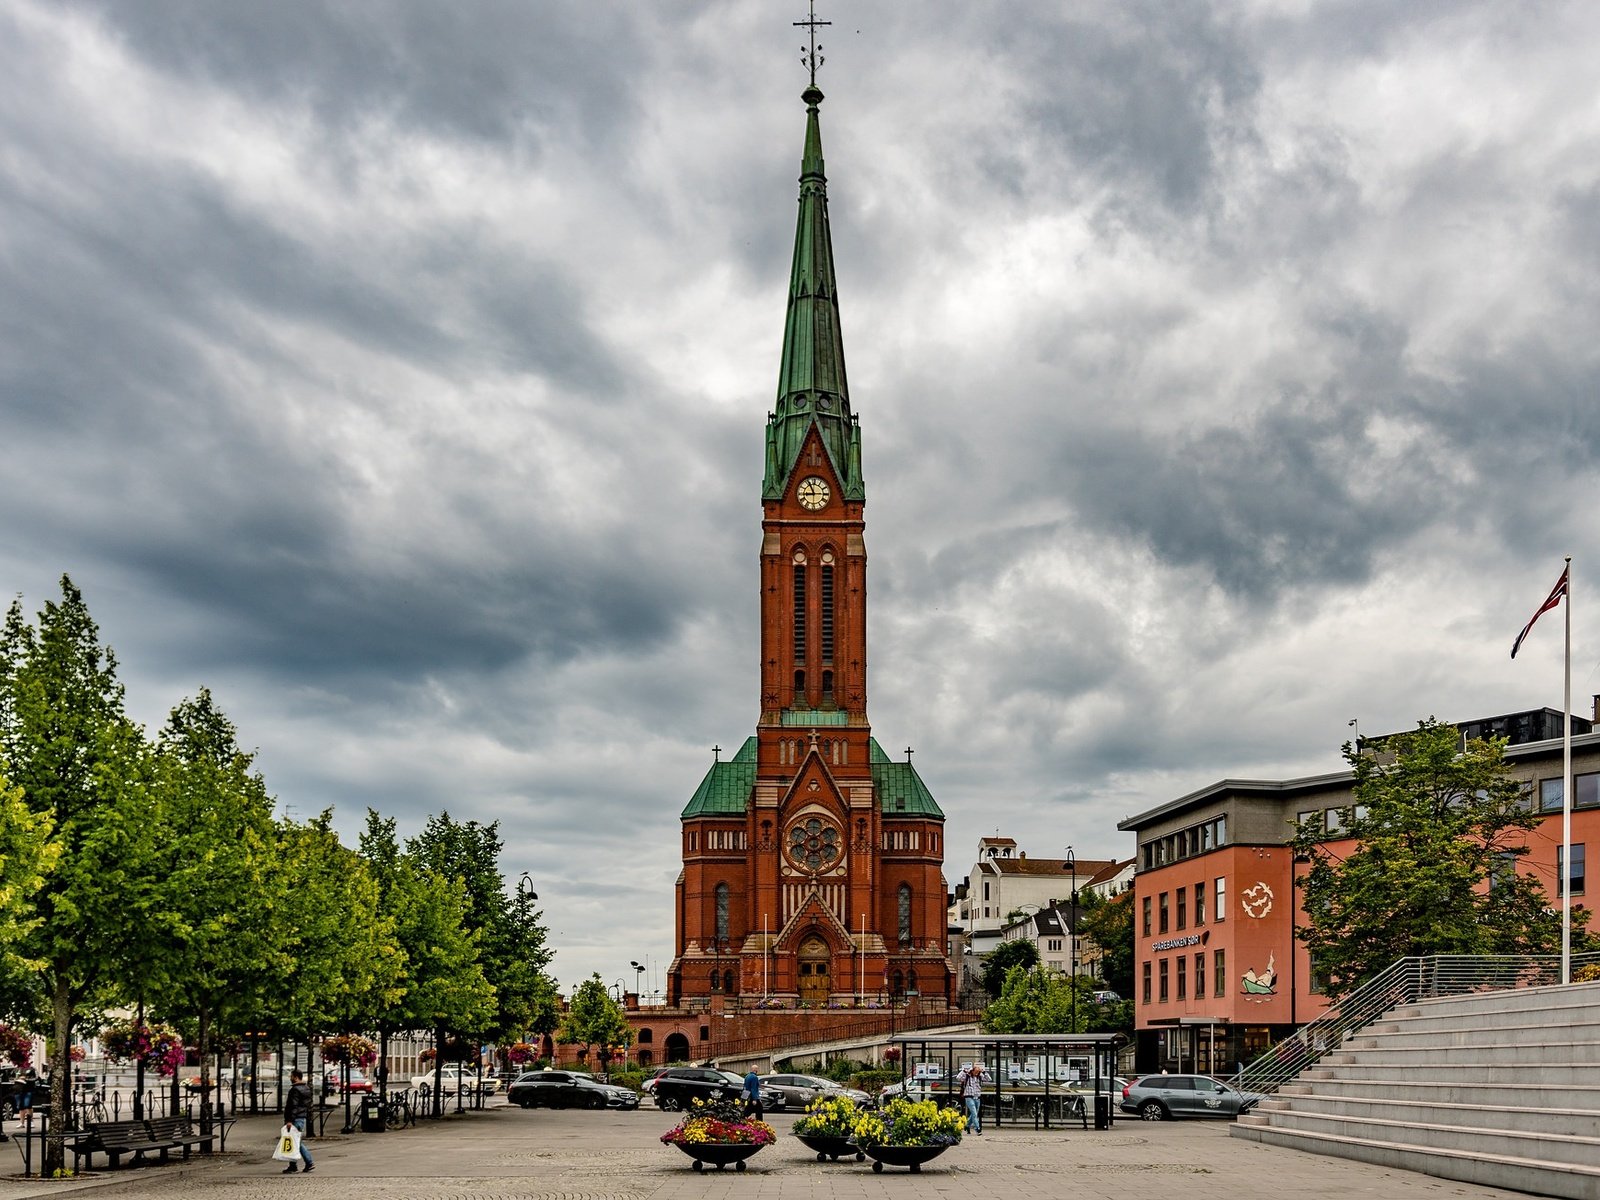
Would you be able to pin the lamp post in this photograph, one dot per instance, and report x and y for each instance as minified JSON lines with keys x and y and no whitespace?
{"x":1071,"y":867}
{"x":638,"y":974}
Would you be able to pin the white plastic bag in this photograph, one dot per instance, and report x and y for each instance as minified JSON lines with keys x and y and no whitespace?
{"x":288,"y":1147}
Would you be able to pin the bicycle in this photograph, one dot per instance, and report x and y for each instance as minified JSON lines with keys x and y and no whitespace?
{"x":397,"y":1112}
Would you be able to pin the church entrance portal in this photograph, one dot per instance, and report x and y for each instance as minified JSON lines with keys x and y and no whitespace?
{"x":814,"y":956}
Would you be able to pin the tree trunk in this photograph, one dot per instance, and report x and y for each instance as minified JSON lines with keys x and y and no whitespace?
{"x":60,"y":1083}
{"x":205,"y":1072}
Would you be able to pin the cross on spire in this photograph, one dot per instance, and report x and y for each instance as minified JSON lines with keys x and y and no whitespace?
{"x":811,"y":55}
{"x":717,"y":753}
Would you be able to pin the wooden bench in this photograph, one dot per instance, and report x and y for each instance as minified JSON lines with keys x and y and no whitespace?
{"x":176,"y":1131}
{"x":116,"y":1138}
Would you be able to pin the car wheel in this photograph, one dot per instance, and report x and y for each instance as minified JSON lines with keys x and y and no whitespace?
{"x":7,"y":1109}
{"x":595,"y":1102}
{"x":668,"y":1103}
{"x":1151,"y":1110}
{"x":525,"y":1103}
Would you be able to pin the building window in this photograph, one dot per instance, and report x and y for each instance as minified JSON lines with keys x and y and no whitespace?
{"x":1200,"y":904}
{"x":1054,"y":944}
{"x":1147,"y":916}
{"x":799,"y":614}
{"x":827,"y":614}
{"x":1577,"y":867}
{"x":1222,"y":831}
{"x":904,"y":901}
{"x":1183,"y":908}
{"x":1585,"y":790}
{"x":1200,"y":975}
{"x":1550,"y":795}
{"x":985,"y":889}
{"x":1163,"y":974}
{"x":1219,"y":890}
{"x":1162,"y":908}
{"x":722,"y":912}
{"x":1147,"y":983}
{"x":1219,"y":974}
{"x":1183,"y":978}
{"x":1334,"y":820}
{"x":1503,"y":868}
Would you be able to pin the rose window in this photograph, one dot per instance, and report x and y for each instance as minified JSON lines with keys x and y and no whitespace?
{"x":813,"y":845}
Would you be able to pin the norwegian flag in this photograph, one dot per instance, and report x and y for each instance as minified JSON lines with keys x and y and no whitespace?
{"x":1557,"y":593}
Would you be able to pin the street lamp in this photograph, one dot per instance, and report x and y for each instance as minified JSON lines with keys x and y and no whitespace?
{"x":638,"y":974}
{"x":1071,"y":867}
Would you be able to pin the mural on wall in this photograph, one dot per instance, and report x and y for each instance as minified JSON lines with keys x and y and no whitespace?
{"x":1257,"y":900}
{"x":1263,"y":984}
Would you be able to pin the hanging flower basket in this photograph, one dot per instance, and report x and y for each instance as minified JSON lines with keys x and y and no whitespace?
{"x":520,"y":1052}
{"x":349,"y":1048}
{"x":15,"y":1046}
{"x":159,"y":1048}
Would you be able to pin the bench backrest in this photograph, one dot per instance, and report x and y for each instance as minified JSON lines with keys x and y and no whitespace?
{"x":165,"y":1127}
{"x":119,"y":1133}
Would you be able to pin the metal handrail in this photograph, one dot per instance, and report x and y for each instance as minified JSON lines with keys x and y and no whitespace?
{"x":1403,"y":982}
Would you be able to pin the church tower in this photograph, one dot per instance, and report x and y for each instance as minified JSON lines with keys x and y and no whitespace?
{"x":812,"y":863}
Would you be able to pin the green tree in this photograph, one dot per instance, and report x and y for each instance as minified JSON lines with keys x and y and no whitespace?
{"x":1434,"y":823}
{"x":223,"y":949}
{"x":594,"y":1019}
{"x":1109,"y":925}
{"x":27,"y":855}
{"x":1038,"y":1000}
{"x":86,"y":770}
{"x":997,"y":967}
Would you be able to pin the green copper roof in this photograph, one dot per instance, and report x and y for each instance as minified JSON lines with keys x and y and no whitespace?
{"x":812,"y":390}
{"x":899,"y":788}
{"x":726,"y":788}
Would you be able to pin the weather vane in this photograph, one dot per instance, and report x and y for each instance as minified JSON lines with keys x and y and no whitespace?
{"x":811,"y":55}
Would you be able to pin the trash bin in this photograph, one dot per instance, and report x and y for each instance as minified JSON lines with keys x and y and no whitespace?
{"x":1102,"y":1110}
{"x":371,"y":1115}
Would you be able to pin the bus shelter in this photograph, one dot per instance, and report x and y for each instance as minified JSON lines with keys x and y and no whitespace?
{"x":1049,"y":1080}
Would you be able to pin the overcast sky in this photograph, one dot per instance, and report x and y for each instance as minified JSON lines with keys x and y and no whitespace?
{"x":1226,"y":372}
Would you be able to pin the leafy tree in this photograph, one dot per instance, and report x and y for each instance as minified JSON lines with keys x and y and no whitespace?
{"x":27,"y":855}
{"x":223,"y":949}
{"x":1434,"y":823}
{"x":595,"y":1019}
{"x":442,"y":984}
{"x":1109,"y":925}
{"x":1037,"y":1000}
{"x":997,"y":967}
{"x":86,"y":771}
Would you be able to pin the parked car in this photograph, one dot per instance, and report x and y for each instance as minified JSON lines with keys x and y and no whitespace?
{"x":1163,"y":1097}
{"x":564,"y":1089}
{"x":649,"y":1085}
{"x":912,"y":1088}
{"x":798,"y":1091}
{"x":333,"y":1080}
{"x":453,"y":1079}
{"x":676,"y":1087}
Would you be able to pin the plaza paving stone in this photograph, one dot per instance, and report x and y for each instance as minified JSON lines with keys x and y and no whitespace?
{"x":506,"y":1152}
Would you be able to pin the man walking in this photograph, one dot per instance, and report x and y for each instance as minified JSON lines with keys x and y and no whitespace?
{"x":296,"y":1112}
{"x":752,"y":1095}
{"x":971,"y":1081}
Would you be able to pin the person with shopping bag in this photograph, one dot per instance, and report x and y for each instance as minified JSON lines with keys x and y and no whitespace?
{"x":296,"y":1112}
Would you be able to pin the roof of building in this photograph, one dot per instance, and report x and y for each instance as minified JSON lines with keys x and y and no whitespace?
{"x":726,"y":788}
{"x":1112,"y":870}
{"x":1023,"y":865}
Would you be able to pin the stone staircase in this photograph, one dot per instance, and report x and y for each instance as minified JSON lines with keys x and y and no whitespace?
{"x":1495,"y":1088}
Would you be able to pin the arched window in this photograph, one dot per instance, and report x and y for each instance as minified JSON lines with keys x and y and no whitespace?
{"x":905,"y":914}
{"x":898,"y":985}
{"x":827,"y":687}
{"x":722,"y":912}
{"x":800,"y":609}
{"x":727,"y":982}
{"x":646,"y":1035}
{"x":911,"y":983}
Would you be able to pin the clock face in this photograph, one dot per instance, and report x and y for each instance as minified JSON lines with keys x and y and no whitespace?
{"x":812,"y":493}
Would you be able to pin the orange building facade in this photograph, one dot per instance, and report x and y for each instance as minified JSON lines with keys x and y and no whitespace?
{"x":812,"y":862}
{"x":1219,"y":974}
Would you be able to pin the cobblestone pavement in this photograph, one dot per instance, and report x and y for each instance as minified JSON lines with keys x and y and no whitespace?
{"x":540,"y":1155}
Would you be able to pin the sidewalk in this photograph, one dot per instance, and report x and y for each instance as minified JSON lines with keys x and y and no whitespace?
{"x":508,"y":1152}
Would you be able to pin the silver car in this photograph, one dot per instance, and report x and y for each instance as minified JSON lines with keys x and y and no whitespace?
{"x":1164,"y":1097}
{"x":798,"y":1091}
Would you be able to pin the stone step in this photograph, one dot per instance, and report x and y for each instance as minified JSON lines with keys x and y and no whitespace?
{"x":1540,"y":1094}
{"x":1543,"y":1147}
{"x":1575,"y":995}
{"x":1572,"y":1052}
{"x":1485,"y":1168}
{"x":1486,"y":1074}
{"x":1491,"y":1113}
{"x":1487,"y":1018}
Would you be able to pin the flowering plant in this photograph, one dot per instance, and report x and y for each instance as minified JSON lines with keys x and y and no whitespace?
{"x":891,"y":1054}
{"x":910,"y":1123}
{"x":76,"y":1054}
{"x":349,"y":1048}
{"x":721,"y":1123}
{"x":770,"y":1002}
{"x":829,"y":1117}
{"x":519,"y":1053}
{"x":158,"y":1047}
{"x":15,"y":1046}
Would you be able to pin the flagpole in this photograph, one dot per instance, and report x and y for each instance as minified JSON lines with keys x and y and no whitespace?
{"x":1566,"y":797}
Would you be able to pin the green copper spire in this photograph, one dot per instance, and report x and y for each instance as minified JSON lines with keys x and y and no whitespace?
{"x":812,"y":390}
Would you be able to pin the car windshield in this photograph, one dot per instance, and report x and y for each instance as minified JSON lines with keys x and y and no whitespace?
{"x":732,"y":1078}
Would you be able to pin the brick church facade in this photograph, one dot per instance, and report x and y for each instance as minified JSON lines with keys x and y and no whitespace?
{"x":812,"y":862}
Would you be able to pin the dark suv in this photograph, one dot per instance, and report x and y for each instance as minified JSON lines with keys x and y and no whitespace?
{"x":679,"y":1087}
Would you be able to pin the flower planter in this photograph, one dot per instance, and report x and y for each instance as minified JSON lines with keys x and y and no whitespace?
{"x":903,"y":1156}
{"x":720,"y":1154}
{"x":830,"y":1146}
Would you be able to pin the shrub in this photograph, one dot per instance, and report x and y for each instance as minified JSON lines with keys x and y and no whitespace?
{"x":875,"y":1080}
{"x":628,"y":1079}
